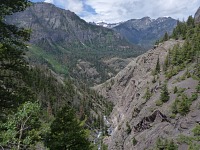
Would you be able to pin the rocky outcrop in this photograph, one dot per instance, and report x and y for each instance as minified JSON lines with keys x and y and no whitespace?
{"x":145,"y":123}
{"x":117,"y":63}
{"x":197,"y":16}
{"x":144,"y":120}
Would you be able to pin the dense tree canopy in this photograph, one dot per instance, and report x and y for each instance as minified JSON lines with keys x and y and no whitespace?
{"x":67,"y":132}
{"x":12,"y":63}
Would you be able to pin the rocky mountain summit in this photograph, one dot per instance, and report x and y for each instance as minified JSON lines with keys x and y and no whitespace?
{"x":139,"y":120}
{"x":60,"y":39}
{"x":146,"y":31}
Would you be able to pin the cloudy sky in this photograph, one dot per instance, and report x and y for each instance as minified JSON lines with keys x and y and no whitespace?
{"x":122,"y":10}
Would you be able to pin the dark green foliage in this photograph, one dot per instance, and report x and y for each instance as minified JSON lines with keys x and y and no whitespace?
{"x":198,"y":87}
{"x":181,"y":105}
{"x":174,"y":106}
{"x":166,"y":63}
{"x":196,"y":130}
{"x":197,"y":68}
{"x":172,"y":146}
{"x":134,"y":141}
{"x":67,"y":132}
{"x":194,"y":97}
{"x":190,"y":21}
{"x":166,"y":37}
{"x":128,"y":128}
{"x":104,"y":147}
{"x":159,"y":103}
{"x":13,"y":69}
{"x":11,"y":6}
{"x":175,"y":89}
{"x":180,"y":30}
{"x":157,"y":69}
{"x":51,"y":93}
{"x":180,"y":56}
{"x":165,"y":144}
{"x":158,"y":66}
{"x":184,"y":105}
{"x":164,"y":96}
{"x":147,"y":94}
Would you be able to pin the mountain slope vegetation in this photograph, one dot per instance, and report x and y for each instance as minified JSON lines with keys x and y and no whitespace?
{"x":60,"y":39}
{"x":33,"y":98}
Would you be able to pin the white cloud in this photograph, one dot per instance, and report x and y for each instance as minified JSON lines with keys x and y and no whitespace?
{"x":122,"y":10}
{"x":73,"y":5}
{"x":49,"y":1}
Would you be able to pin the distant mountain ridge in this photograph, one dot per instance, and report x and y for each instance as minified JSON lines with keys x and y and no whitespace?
{"x":146,"y":31}
{"x":62,"y":40}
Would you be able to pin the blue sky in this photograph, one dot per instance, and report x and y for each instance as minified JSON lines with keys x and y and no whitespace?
{"x":122,"y":10}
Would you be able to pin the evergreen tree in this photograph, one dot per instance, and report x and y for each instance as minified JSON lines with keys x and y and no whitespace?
{"x":184,"y":105}
{"x":164,"y":97}
{"x":158,"y":65}
{"x":190,"y":21}
{"x":166,"y":37}
{"x":147,"y":95}
{"x":67,"y":132}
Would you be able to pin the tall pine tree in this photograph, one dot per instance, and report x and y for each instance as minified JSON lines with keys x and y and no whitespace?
{"x":67,"y":132}
{"x":12,"y":64}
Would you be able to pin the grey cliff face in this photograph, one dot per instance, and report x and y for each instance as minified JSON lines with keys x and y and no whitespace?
{"x":197,"y":16}
{"x":145,"y":119}
{"x":146,"y":31}
{"x":50,"y":22}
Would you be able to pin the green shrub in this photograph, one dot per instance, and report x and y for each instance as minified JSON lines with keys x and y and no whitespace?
{"x":173,"y":116}
{"x":175,"y":89}
{"x":174,"y":106}
{"x":165,"y":144}
{"x":134,"y":141}
{"x":184,"y":105}
{"x":159,"y":103}
{"x":147,"y":94}
{"x":194,"y":97}
{"x":181,"y":105}
{"x":171,"y":145}
{"x":128,"y":128}
{"x":164,"y":97}
{"x":198,"y":87}
{"x":196,"y":130}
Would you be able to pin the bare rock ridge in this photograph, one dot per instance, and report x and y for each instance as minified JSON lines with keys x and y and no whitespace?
{"x":197,"y":16}
{"x":145,"y":123}
{"x":134,"y":116}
